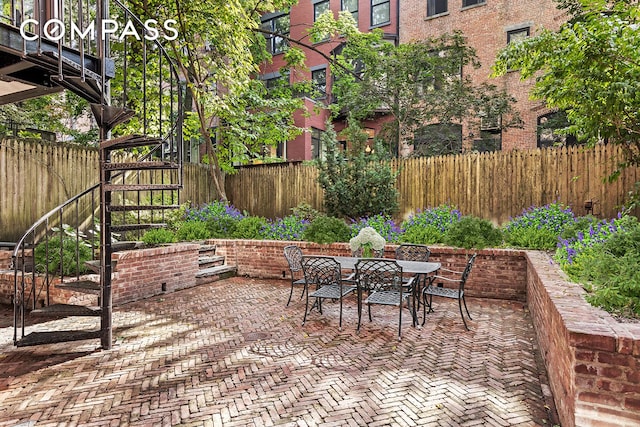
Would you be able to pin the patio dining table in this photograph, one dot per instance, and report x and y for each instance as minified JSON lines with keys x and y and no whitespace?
{"x":411,"y":267}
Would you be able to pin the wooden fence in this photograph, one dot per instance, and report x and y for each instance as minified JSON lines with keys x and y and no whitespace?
{"x":35,"y":177}
{"x":495,"y":186}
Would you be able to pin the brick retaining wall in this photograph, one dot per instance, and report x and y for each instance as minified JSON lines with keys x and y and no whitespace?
{"x":593,"y":361}
{"x":139,"y":274}
{"x":497,"y":273}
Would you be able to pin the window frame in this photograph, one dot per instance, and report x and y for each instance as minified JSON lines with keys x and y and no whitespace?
{"x":355,"y":13}
{"x":431,"y":4}
{"x":375,"y":4}
{"x":324,"y":3}
{"x":517,"y":31}
{"x":472,"y":3}
{"x":316,"y":143}
{"x":322,"y":93}
{"x":270,"y":21}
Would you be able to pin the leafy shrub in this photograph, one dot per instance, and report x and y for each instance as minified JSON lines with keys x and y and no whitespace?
{"x":220,"y":217}
{"x":190,"y":231}
{"x":158,"y":236}
{"x":47,"y":256}
{"x":429,"y":226}
{"x":305,"y":211}
{"x":472,"y":232}
{"x":356,"y":184}
{"x":606,"y":260}
{"x":383,"y":224}
{"x":568,"y":249}
{"x":327,"y":229}
{"x":290,"y":227}
{"x":580,"y":224}
{"x":538,"y":227}
{"x":250,"y":227}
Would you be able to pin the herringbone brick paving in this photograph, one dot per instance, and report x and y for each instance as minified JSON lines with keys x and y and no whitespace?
{"x":231,"y":354}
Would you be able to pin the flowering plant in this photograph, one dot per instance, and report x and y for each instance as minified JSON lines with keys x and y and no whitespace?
{"x":368,"y":240}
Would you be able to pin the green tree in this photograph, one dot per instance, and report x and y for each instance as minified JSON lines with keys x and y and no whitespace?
{"x":219,"y":48}
{"x":356,"y":184}
{"x":589,"y":68}
{"x":417,"y":83}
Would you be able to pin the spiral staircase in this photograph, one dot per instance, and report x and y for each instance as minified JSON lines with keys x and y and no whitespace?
{"x":130,"y":83}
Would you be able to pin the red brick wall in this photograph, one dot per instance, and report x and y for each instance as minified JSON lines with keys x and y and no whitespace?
{"x":141,"y":273}
{"x":592,"y":360}
{"x":5,"y":260}
{"x":497,"y":273}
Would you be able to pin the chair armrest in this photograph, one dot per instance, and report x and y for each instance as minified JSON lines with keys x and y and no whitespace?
{"x":449,"y":271}
{"x":448,"y":279}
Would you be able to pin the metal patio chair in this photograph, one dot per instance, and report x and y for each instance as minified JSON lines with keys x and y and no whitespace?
{"x":293,"y":254}
{"x":381,"y":280}
{"x":325,"y":273}
{"x":436,"y":288}
{"x":413,"y":252}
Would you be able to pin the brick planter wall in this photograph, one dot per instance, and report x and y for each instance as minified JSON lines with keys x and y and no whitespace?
{"x":593,"y":361}
{"x":143,"y":273}
{"x":139,"y":274}
{"x":497,"y":273}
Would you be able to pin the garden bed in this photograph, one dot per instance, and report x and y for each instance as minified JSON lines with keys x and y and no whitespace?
{"x":593,"y":361}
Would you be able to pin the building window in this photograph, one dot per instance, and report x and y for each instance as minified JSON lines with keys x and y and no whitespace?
{"x":517,"y":35}
{"x":438,"y":140}
{"x":317,"y":152}
{"x":490,"y":140}
{"x":319,"y":80}
{"x":319,"y":8}
{"x":352,"y":7}
{"x":549,"y":131}
{"x":276,"y":26}
{"x":380,"y":12}
{"x":467,"y":3}
{"x":436,"y":7}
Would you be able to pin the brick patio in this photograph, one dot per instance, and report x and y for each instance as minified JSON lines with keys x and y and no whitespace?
{"x":231,"y":354}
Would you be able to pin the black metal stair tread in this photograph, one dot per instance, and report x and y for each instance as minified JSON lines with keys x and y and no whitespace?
{"x":212,"y":271}
{"x":128,"y":208}
{"x":129,"y":141}
{"x":110,"y":116}
{"x":39,"y":338}
{"x":131,"y":227}
{"x":141,"y":187}
{"x":85,"y":286}
{"x":66,"y":310}
{"x":141,"y":165}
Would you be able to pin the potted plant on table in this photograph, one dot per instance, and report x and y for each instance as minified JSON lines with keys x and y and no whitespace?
{"x":367,"y":242}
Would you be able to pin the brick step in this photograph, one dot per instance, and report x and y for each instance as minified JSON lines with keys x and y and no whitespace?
{"x":55,"y":310}
{"x":213,"y":274}
{"x":84,"y":286}
{"x":39,"y":338}
{"x":207,"y":250}
{"x":210,"y":261}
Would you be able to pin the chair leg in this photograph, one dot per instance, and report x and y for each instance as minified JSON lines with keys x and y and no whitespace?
{"x":465,"y":307}
{"x":306,"y":310}
{"x":461,"y":314}
{"x":290,"y":294}
{"x":400,"y":323}
{"x":426,"y":304}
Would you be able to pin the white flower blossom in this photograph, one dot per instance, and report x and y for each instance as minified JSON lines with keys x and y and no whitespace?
{"x":367,"y":236}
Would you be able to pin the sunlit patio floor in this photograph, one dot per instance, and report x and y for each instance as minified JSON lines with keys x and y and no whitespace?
{"x":231,"y":354}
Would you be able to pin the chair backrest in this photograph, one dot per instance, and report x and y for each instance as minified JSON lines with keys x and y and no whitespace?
{"x":376,"y":274}
{"x":467,"y":270}
{"x":293,"y":254}
{"x":321,"y":270}
{"x":411,"y":252}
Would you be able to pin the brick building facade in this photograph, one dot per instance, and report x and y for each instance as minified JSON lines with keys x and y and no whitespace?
{"x":488,"y":26}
